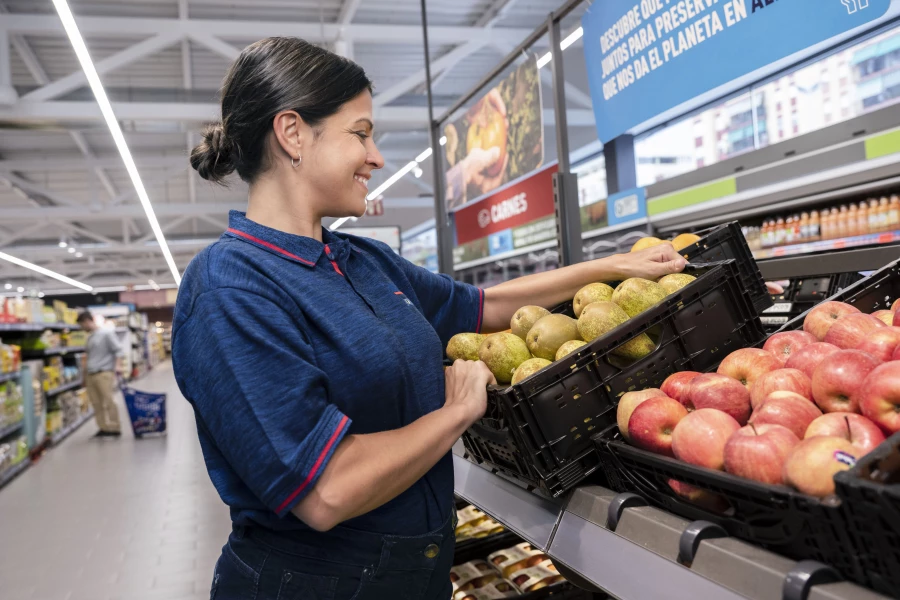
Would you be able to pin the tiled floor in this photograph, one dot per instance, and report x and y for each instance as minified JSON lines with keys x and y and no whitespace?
{"x":115,"y":519}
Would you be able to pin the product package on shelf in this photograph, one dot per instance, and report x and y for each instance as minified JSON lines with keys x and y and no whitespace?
{"x":499,"y":588}
{"x":12,"y":453}
{"x":10,"y":358}
{"x":54,"y":421}
{"x":471,"y":575}
{"x":537,"y":577}
{"x":511,"y":560}
{"x":11,"y":407}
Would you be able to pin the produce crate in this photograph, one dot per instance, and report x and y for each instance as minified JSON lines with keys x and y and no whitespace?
{"x":772,"y":516}
{"x":725,"y":242}
{"x":802,"y":294}
{"x":538,"y":431}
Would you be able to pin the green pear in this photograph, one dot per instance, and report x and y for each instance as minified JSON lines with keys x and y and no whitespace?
{"x":525,"y":318}
{"x":529,"y":368}
{"x":674,"y":282}
{"x":464,"y":346}
{"x":503,"y":353}
{"x":599,"y":318}
{"x":569,"y":347}
{"x":593,"y":292}
{"x":549,"y":333}
{"x":636,"y":295}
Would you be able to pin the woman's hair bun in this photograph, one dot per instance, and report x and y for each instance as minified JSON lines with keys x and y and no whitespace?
{"x":213,"y":158}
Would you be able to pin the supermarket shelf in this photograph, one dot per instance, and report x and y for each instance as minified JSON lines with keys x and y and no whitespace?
{"x":64,"y":388}
{"x":11,"y":473}
{"x":865,"y":259}
{"x":36,"y":326}
{"x":11,"y":429}
{"x":7,"y":376}
{"x":637,"y":556}
{"x":59,"y":350}
{"x":872,"y":239}
{"x":65,"y":432}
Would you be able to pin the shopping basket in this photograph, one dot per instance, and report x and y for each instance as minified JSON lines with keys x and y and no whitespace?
{"x":146,"y":410}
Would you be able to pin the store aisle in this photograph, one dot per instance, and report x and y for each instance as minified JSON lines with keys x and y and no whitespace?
{"x":124,"y":519}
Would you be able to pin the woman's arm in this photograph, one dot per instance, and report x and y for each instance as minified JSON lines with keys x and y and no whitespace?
{"x":369,"y":470}
{"x":550,"y":288}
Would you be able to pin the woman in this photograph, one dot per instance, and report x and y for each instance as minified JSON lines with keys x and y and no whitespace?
{"x":313,"y":359}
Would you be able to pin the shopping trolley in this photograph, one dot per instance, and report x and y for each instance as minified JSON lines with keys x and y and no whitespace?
{"x":147,"y":410}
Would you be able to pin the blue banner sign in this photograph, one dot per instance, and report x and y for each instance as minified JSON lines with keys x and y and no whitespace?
{"x":645,"y":57}
{"x":627,"y":206}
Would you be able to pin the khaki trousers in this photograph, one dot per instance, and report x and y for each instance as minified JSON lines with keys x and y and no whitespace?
{"x":100,"y":392}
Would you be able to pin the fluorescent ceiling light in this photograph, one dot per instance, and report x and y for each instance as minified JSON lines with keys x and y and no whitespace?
{"x":20,"y":289}
{"x":8,"y":286}
{"x":71,"y":250}
{"x":62,"y":243}
{"x":571,"y":39}
{"x":392,"y":180}
{"x":40,"y":294}
{"x":43,"y":271}
{"x":81,"y":51}
{"x":423,"y":156}
{"x":544,"y":60}
{"x":79,"y":254}
{"x":443,"y":140}
{"x":153,"y":284}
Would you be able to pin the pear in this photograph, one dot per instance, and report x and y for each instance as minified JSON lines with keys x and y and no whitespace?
{"x":529,"y":368}
{"x":593,"y":292}
{"x":599,"y":318}
{"x":503,"y":353}
{"x":646,"y":242}
{"x":549,"y":333}
{"x":464,"y":346}
{"x":636,"y":295}
{"x":525,"y":318}
{"x":674,"y":282}
{"x":569,"y":347}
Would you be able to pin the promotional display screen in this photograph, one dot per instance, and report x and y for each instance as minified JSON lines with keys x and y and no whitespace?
{"x":498,"y":140}
{"x":645,"y":57}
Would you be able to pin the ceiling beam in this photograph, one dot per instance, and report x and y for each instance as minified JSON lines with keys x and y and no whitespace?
{"x":211,"y":42}
{"x":34,"y":188}
{"x":348,"y":11}
{"x":114,"y":213}
{"x":165,"y":228}
{"x":68,"y":162}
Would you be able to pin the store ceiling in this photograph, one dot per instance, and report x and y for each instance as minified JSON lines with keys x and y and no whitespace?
{"x":162,"y":62}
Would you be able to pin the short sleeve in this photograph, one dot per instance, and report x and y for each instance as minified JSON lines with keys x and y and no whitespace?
{"x":112,"y":343}
{"x":252,"y":377}
{"x":450,"y":306}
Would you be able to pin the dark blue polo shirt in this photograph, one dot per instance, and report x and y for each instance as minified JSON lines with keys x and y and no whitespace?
{"x":284,"y":345}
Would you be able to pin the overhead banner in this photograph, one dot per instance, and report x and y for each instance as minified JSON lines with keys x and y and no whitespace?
{"x":498,"y":140}
{"x":645,"y":57}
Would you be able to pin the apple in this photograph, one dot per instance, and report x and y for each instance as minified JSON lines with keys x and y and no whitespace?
{"x":882,"y":343}
{"x":628,"y":402}
{"x":896,"y":355}
{"x":700,"y":437}
{"x":712,"y":390}
{"x":780,"y":380}
{"x":896,"y":305}
{"x":837,"y":379}
{"x":856,"y":429}
{"x":652,"y":423}
{"x":783,"y":345}
{"x":808,"y":358}
{"x":885,"y":316}
{"x":787,"y":409}
{"x":678,"y":386}
{"x":758,"y":452}
{"x":703,"y":498}
{"x":820,"y":319}
{"x":748,"y":364}
{"x":879,"y":397}
{"x":848,"y":331}
{"x":896,"y":321}
{"x":811,"y":466}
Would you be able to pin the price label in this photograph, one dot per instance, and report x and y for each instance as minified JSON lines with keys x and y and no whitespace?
{"x":773,"y":320}
{"x":779,"y":307}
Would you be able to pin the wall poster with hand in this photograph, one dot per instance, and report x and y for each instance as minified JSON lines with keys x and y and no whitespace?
{"x":499,"y":139}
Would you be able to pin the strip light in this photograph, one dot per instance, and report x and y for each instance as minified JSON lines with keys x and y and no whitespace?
{"x":43,"y":271}
{"x":81,"y":51}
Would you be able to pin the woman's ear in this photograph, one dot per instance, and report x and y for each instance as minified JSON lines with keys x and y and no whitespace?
{"x":290,"y":133}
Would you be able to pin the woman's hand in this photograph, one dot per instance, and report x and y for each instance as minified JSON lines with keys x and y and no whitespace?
{"x":651,"y":263}
{"x":466,"y":388}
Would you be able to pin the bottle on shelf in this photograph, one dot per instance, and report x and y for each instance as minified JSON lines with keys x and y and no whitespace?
{"x":862,"y":219}
{"x":789,"y":230}
{"x":815,"y":227}
{"x":843,"y":222}
{"x":796,"y":233}
{"x":883,"y":217}
{"x":873,"y":216}
{"x":853,"y":220}
{"x":780,"y":232}
{"x":804,"y":227}
{"x":894,"y":213}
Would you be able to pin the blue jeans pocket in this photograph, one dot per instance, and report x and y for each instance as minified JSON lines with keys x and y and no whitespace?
{"x":300,"y":586}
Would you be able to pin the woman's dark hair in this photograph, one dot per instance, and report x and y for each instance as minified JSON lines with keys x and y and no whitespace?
{"x":270,"y":76}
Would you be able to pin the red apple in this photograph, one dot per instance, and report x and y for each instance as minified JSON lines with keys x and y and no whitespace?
{"x":652,"y":423}
{"x":700,"y":497}
{"x":758,"y":452}
{"x":882,"y":343}
{"x":837,"y":379}
{"x":896,"y":305}
{"x":678,"y":386}
{"x":783,"y":345}
{"x":820,"y":319}
{"x":879,"y":397}
{"x":885,"y":316}
{"x":856,"y":429}
{"x":808,"y":358}
{"x":896,"y":321}
{"x":896,"y":355}
{"x":628,"y":402}
{"x":700,"y":437}
{"x":780,"y":380}
{"x":848,"y":331}
{"x":722,"y":393}
{"x":811,"y":466}
{"x":748,"y":364}
{"x":788,"y":409}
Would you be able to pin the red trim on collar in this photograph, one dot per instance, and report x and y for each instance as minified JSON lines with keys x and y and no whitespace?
{"x":269,"y":246}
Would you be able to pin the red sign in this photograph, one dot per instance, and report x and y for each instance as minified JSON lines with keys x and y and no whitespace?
{"x":528,"y":200}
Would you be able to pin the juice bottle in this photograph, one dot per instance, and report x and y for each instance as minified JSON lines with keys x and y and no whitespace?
{"x":873,"y":215}
{"x":780,"y":232}
{"x":815,"y":226}
{"x":843,"y":222}
{"x":894,"y":213}
{"x":789,"y":230}
{"x":862,"y":219}
{"x":835,"y":231}
{"x":853,"y":221}
{"x":804,"y":227}
{"x":797,"y":235}
{"x":883,"y":217}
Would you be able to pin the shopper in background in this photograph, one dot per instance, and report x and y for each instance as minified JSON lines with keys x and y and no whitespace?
{"x":313,"y":359}
{"x":104,"y":363}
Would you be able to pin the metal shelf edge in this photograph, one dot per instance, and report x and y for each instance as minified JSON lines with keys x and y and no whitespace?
{"x":59,"y":436}
{"x":64,"y":388}
{"x":4,"y":377}
{"x":10,"y":429}
{"x":13,"y":471}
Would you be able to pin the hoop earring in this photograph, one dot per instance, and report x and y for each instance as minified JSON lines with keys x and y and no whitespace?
{"x":297,"y":163}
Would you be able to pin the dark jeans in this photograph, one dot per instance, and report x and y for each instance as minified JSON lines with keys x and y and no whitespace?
{"x":343,"y":564}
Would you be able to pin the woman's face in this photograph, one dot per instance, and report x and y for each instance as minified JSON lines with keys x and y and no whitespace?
{"x":340,"y":161}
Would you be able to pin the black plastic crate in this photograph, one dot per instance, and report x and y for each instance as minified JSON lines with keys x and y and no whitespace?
{"x":725,"y":242}
{"x":539,"y":430}
{"x":772,"y":516}
{"x":802,"y":294}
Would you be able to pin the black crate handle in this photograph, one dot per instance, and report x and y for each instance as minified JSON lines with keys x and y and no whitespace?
{"x":805,"y":575}
{"x":618,"y":505}
{"x":498,"y":437}
{"x":691,"y":537}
